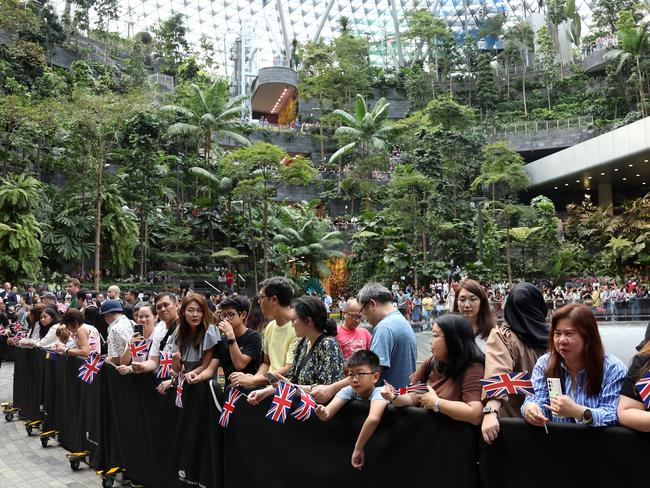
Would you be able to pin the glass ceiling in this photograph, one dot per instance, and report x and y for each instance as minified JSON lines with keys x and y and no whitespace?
{"x":222,"y":20}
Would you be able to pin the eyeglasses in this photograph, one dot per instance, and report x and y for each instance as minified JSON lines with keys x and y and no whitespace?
{"x":364,"y":307}
{"x":261,"y":297}
{"x":358,"y":376}
{"x":354,"y":316}
{"x":230,"y":315}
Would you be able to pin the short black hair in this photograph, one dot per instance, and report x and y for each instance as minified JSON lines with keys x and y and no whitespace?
{"x":164,"y":294}
{"x":133,"y":292}
{"x":280,"y":288}
{"x":239,"y":303}
{"x":364,"y":357}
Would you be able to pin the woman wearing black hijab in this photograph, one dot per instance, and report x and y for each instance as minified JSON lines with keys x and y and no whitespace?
{"x":514,"y":347}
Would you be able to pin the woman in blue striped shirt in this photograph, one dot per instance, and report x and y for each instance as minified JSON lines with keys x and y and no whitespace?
{"x":590,"y":379}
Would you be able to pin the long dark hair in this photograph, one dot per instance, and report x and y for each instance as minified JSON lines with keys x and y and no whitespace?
{"x":185,"y":334}
{"x":485,"y":320}
{"x":255,"y":319}
{"x":462,"y":350}
{"x":583,"y":319}
{"x":314,"y":309}
{"x":51,"y":312}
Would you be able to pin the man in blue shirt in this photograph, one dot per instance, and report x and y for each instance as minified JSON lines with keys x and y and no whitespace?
{"x":393,"y":341}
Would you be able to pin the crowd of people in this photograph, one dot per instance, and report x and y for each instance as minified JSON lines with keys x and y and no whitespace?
{"x":278,"y":337}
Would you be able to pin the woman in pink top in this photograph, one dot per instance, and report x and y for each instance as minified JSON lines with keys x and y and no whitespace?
{"x":351,"y":337}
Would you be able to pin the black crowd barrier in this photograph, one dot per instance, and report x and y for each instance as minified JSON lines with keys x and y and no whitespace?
{"x":124,"y":422}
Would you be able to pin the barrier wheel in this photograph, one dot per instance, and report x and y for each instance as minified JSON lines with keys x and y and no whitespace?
{"x":108,"y":482}
{"x":44,"y":441}
{"x":29,"y":430}
{"x":9,"y":417}
{"x":74,"y":464}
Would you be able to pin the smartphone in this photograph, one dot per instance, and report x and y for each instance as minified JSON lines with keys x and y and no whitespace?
{"x":89,"y":298}
{"x":554,"y":388}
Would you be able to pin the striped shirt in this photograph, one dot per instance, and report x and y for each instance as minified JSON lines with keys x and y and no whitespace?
{"x":602,"y":406}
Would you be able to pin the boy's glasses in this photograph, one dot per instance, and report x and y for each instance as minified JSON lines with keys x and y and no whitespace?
{"x":358,"y":376}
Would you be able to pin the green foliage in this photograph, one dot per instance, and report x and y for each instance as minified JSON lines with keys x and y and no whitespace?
{"x":171,"y":45}
{"x":20,"y":232}
{"x":449,"y":114}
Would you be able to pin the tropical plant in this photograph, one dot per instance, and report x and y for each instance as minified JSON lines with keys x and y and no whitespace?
{"x":520,"y":39}
{"x":20,"y":232}
{"x":367,"y":130}
{"x":633,"y":49}
{"x":304,"y":241}
{"x":208,"y":112}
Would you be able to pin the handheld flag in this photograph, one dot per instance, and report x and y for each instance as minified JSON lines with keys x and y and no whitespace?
{"x":229,"y":407}
{"x":306,"y":408}
{"x":179,"y":390}
{"x":90,"y":368}
{"x":165,"y":365}
{"x":139,"y":350}
{"x":415,"y":388}
{"x":508,"y":384}
{"x":51,"y":354}
{"x":281,"y":403}
{"x":643,"y":387}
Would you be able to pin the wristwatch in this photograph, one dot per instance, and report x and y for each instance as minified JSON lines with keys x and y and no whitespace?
{"x":587,"y":417}
{"x":487,"y":410}
{"x":436,"y":406}
{"x":231,"y":341}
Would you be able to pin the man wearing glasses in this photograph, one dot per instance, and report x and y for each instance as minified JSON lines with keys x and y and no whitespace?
{"x":280,"y":338}
{"x":351,"y":337}
{"x":393,"y":341}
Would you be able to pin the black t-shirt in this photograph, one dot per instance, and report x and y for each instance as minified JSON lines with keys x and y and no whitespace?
{"x":4,"y":320}
{"x":250,"y":344}
{"x":628,"y":389}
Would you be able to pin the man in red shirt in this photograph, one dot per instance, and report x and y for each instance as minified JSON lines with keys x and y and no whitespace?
{"x":351,"y":337}
{"x":230,"y":282}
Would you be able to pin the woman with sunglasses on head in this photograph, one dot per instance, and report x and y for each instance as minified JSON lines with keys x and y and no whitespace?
{"x":452,"y":373}
{"x":590,"y":378}
{"x":631,"y":409}
{"x":318,"y":359}
{"x":471,"y":300}
{"x":514,"y":347}
{"x":193,"y":342}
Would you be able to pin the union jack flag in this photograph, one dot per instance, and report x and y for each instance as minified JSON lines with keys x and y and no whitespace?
{"x":643,"y":387}
{"x":179,"y":389}
{"x":90,"y":368}
{"x":139,"y":350}
{"x":281,"y":403}
{"x":416,"y":388}
{"x":165,"y":365}
{"x":306,"y":408}
{"x":508,"y":384}
{"x":229,"y":407}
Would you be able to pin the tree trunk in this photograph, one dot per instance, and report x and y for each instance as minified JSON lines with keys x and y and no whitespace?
{"x":266,"y":236}
{"x":523,"y":91}
{"x":415,"y":242}
{"x":641,"y":94}
{"x":146,"y":247}
{"x":142,"y":219}
{"x":98,"y":210}
{"x":508,"y":250}
{"x":548,"y":95}
{"x":320,"y":129}
{"x":253,"y":246}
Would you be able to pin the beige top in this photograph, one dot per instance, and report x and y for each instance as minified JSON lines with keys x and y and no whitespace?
{"x":505,"y":353}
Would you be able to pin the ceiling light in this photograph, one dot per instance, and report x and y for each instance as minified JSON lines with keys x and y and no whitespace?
{"x":602,"y":174}
{"x":638,"y":175}
{"x":590,"y":177}
{"x":556,"y":186}
{"x":615,"y":169}
{"x":645,"y":160}
{"x":566,"y":184}
{"x":577,"y":181}
{"x":630,"y":165}
{"x":624,"y":179}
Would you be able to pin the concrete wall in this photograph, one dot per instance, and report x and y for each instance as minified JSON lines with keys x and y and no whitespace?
{"x":548,"y":139}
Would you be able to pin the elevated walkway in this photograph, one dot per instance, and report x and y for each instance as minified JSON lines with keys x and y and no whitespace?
{"x":614,"y":162}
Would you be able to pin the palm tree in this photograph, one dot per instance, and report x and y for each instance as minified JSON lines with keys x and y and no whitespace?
{"x":303,"y":240}
{"x":368,"y":130}
{"x":520,"y":39}
{"x":209,"y":112}
{"x":633,"y":46}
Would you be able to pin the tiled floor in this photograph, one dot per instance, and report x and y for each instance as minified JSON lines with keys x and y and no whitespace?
{"x":24,"y":463}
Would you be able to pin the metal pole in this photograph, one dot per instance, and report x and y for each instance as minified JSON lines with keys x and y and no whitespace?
{"x":321,"y":24}
{"x":285,"y":33}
